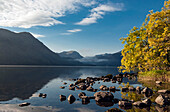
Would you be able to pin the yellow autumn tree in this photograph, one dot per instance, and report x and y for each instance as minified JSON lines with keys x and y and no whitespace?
{"x":148,"y":47}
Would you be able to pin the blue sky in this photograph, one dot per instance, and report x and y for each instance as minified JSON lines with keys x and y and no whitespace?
{"x":88,"y":26}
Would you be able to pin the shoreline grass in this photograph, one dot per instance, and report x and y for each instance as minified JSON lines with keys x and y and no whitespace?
{"x":155,"y":75}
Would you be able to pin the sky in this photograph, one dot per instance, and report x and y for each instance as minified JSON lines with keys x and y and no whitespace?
{"x":90,"y":27}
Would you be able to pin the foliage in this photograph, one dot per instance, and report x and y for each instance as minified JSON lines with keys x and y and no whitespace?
{"x":154,"y":72}
{"x":148,"y":47}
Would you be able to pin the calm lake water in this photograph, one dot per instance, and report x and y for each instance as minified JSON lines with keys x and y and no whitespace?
{"x":23,"y":84}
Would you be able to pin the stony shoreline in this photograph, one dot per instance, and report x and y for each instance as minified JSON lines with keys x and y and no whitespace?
{"x":104,"y":97}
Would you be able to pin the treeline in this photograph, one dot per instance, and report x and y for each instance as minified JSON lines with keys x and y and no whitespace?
{"x":148,"y":47}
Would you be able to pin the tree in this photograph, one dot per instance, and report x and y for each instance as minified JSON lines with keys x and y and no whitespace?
{"x":148,"y":47}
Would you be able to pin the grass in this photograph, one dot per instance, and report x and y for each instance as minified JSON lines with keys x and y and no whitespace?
{"x":154,"y":75}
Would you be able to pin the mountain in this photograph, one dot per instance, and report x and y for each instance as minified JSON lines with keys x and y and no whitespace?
{"x":70,"y":54}
{"x":24,"y":49}
{"x":103,"y":59}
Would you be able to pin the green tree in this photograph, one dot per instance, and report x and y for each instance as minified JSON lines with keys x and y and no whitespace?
{"x":148,"y":47}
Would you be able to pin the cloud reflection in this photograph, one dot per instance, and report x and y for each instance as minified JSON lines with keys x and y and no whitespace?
{"x":16,"y":108}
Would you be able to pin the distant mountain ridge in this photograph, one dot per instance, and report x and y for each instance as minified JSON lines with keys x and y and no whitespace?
{"x":103,"y":59}
{"x":106,"y":59}
{"x":24,"y":49}
{"x":70,"y":54}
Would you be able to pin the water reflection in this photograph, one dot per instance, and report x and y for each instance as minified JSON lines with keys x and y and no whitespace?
{"x":15,"y":108}
{"x":23,"y":82}
{"x":18,"y":85}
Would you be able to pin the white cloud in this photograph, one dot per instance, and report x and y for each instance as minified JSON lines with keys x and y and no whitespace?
{"x":66,"y":33}
{"x":69,"y":32}
{"x":98,"y":12}
{"x":74,"y":30}
{"x":29,"y":13}
{"x":37,"y":35}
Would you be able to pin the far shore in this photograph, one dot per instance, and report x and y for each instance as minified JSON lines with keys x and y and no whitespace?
{"x":54,"y":66}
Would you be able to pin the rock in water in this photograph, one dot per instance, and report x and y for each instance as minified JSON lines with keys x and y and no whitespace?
{"x":40,"y":95}
{"x":62,"y":98}
{"x":109,"y":76}
{"x":90,"y":88}
{"x":72,"y":88}
{"x":105,"y":104}
{"x":71,"y":99}
{"x":161,"y":100}
{"x":163,"y":91}
{"x":80,"y":81}
{"x":132,"y":89}
{"x":147,"y":101}
{"x":81,"y":94}
{"x":124,"y":89}
{"x":114,"y":110}
{"x":158,"y":82}
{"x":138,"y":90}
{"x":139,"y":104}
{"x":85,"y":100}
{"x":103,"y":96}
{"x":147,"y":91}
{"x":64,"y":83}
{"x":104,"y":88}
{"x":113,"y":88}
{"x":62,"y":87}
{"x":71,"y":85}
{"x":24,"y":104}
{"x":125,"y":104}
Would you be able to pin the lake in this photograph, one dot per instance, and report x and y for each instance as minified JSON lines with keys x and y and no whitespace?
{"x":23,"y":84}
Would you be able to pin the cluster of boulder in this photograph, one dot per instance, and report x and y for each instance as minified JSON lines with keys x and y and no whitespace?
{"x":42,"y":95}
{"x":86,"y":84}
{"x":105,"y":98}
